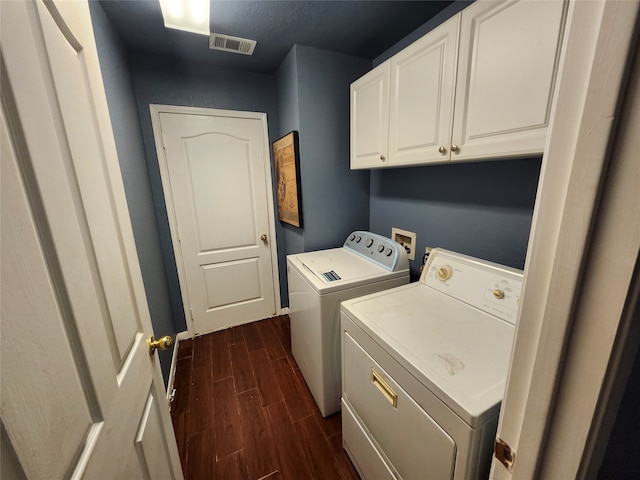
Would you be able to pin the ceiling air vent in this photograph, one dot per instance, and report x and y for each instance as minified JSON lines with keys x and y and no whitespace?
{"x":227,"y":43}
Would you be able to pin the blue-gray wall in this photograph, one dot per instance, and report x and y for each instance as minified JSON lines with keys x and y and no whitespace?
{"x":313,"y":98}
{"x":289,"y":120}
{"x":131,"y":155}
{"x":173,"y":82}
{"x":335,"y":199}
{"x":481,"y":209}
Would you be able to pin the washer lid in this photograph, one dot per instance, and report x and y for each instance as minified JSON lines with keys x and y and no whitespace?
{"x":457,"y":351}
{"x":339,"y":268}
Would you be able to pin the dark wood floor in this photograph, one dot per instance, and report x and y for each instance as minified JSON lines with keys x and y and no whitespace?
{"x":243,"y":411}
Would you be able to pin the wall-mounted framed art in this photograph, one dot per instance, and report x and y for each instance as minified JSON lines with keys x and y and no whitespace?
{"x":286,"y":158}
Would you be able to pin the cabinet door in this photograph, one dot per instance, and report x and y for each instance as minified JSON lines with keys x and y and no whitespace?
{"x":370,"y":119}
{"x":421,"y":99}
{"x":506,"y":73}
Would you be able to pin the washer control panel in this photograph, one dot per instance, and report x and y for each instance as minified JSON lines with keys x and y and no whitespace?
{"x":381,"y":250}
{"x":493,"y":288}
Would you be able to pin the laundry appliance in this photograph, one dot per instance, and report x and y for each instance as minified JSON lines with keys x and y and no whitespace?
{"x":318,"y":282}
{"x":424,"y":370}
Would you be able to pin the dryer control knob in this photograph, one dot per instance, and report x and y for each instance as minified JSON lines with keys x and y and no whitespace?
{"x":352,"y":237}
{"x":369,"y":242}
{"x":358,"y":238}
{"x":380,"y":248}
{"x":443,"y":273}
{"x":388,"y":252}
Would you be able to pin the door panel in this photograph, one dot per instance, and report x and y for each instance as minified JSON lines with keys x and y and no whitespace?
{"x":421,"y":104}
{"x":73,"y":92}
{"x":216,"y":176}
{"x":507,"y":67}
{"x":76,"y":370}
{"x":370,"y":118}
{"x":230,"y":283}
{"x":214,"y":183}
{"x":29,"y":377}
{"x":147,"y":448}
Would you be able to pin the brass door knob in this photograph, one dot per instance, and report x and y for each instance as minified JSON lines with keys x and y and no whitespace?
{"x":454,"y":148}
{"x":442,"y":150}
{"x":263,"y":237}
{"x":161,"y":344}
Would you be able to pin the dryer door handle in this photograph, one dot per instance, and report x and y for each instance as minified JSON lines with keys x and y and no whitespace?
{"x":384,"y":388}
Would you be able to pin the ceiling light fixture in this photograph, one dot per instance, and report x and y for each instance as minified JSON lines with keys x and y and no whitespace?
{"x":188,"y":15}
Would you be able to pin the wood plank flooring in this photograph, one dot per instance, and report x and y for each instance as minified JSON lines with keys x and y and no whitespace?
{"x":243,"y":411}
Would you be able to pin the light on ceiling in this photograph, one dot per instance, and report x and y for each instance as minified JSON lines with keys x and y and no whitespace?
{"x":189,"y":15}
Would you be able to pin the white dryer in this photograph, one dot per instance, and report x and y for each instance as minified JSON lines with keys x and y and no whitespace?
{"x":318,"y":282}
{"x":424,"y":370}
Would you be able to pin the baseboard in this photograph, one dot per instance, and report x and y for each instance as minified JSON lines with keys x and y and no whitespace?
{"x":174,"y":360}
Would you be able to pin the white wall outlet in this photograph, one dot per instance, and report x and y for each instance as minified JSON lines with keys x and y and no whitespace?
{"x":406,"y":239}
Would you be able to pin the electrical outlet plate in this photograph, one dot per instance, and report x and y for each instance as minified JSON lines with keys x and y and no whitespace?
{"x":406,"y":239}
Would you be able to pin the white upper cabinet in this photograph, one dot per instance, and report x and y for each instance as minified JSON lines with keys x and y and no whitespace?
{"x":479,"y":86}
{"x":421,"y":100}
{"x":507,"y":67}
{"x":370,"y":119}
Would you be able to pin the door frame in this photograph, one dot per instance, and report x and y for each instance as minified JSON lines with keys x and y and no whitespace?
{"x":581,"y":251}
{"x":156,"y":110}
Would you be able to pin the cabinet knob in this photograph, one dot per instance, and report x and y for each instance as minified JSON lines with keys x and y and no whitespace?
{"x":442,"y":150}
{"x":382,"y":158}
{"x":454,"y":148}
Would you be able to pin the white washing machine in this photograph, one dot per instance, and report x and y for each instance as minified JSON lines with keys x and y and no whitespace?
{"x":318,"y":282}
{"x":424,"y":370}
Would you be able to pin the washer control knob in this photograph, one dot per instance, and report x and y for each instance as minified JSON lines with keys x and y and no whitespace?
{"x":443,"y":273}
{"x":358,"y":238}
{"x":352,"y":237}
{"x":369,"y":242}
{"x":380,"y":248}
{"x":388,"y":252}
{"x":499,"y":294}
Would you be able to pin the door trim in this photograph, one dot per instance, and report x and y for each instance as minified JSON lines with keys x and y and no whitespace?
{"x":156,"y":110}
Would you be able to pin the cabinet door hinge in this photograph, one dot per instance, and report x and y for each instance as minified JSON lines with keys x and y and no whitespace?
{"x":503,"y":453}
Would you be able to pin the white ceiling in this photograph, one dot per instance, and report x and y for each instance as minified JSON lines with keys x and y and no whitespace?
{"x":364,"y":28}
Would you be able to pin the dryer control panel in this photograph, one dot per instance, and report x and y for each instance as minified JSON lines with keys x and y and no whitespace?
{"x":490,"y":287}
{"x":376,"y":248}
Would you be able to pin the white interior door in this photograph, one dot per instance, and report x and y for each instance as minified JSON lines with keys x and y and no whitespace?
{"x":217,"y":182}
{"x":81,"y":396}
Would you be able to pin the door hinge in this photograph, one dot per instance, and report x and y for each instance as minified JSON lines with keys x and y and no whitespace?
{"x":503,"y":453}
{"x":191,"y":313}
{"x":172,"y":397}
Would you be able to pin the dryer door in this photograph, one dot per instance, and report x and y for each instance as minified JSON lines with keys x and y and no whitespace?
{"x":413,"y":442}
